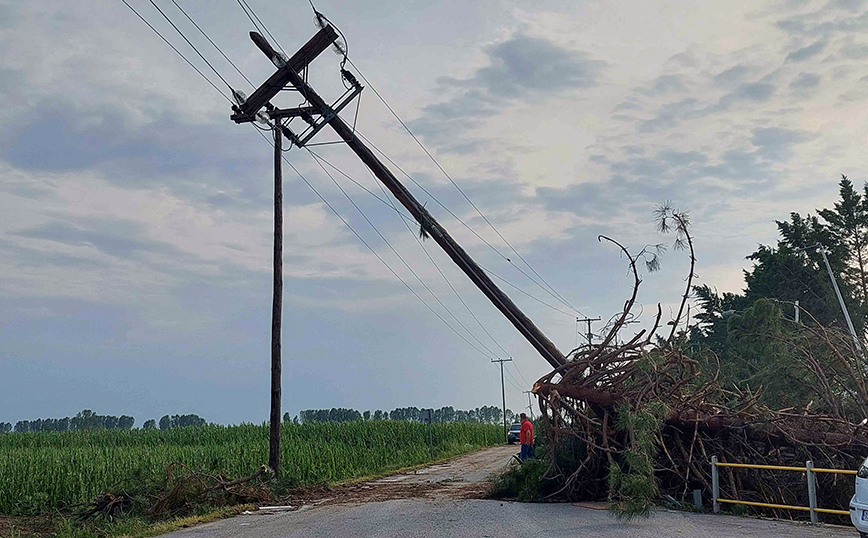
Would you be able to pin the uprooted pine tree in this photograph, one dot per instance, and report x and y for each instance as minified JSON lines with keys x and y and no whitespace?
{"x":637,"y":422}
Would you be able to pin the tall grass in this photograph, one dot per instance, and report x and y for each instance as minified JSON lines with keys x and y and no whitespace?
{"x":50,"y":470}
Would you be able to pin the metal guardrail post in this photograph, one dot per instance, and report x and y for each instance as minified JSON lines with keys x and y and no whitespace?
{"x":715,"y":485}
{"x":812,"y":490}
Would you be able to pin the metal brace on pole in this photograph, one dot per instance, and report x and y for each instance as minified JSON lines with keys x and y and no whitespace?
{"x":841,"y":300}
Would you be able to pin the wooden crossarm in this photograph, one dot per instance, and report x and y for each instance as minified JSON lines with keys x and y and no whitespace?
{"x":305,"y":55}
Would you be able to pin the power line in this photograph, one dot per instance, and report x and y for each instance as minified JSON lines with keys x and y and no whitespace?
{"x":191,"y":44}
{"x":244,"y":9}
{"x":375,"y":253}
{"x":310,"y":185}
{"x":395,"y":252}
{"x":276,"y":42}
{"x":512,"y":380}
{"x":212,"y":42}
{"x":360,"y":134}
{"x":517,"y":369}
{"x":386,"y":201}
{"x":434,"y":160}
{"x":430,"y":258}
{"x":508,"y":283}
{"x":442,"y":274}
{"x":459,"y":219}
{"x":166,"y":41}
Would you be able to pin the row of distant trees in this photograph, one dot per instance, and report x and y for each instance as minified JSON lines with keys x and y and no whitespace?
{"x":486,"y":414}
{"x":88,"y":420}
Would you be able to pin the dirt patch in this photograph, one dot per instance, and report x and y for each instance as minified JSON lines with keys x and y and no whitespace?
{"x":463,"y":477}
{"x":31,"y":526}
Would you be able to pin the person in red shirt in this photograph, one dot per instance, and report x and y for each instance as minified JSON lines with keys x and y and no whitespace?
{"x":525,"y":437}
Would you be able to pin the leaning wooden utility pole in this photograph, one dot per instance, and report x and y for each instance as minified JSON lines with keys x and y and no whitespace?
{"x":288,"y":73}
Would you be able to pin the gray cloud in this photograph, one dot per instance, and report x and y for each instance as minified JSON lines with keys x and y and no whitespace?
{"x":805,"y":80}
{"x":23,"y":256}
{"x":671,"y":114}
{"x":805,"y":53}
{"x":775,"y":143}
{"x":856,"y":51}
{"x":23,"y":189}
{"x":665,"y":84}
{"x":847,"y":5}
{"x":643,"y":177}
{"x":682,"y":158}
{"x":9,"y":15}
{"x":521,"y":67}
{"x":731,"y":77}
{"x":474,"y":103}
{"x":811,"y":24}
{"x":166,"y":151}
{"x":743,"y":165}
{"x":804,"y":83}
{"x":121,"y":239}
{"x":758,"y":91}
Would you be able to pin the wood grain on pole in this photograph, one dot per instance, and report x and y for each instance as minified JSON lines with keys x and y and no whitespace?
{"x":276,"y":307}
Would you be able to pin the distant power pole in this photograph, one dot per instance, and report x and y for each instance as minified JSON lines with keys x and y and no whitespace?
{"x":529,"y":405}
{"x":503,"y":393}
{"x":588,"y":321}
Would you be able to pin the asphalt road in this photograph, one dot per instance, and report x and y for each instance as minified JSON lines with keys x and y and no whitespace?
{"x":433,"y":502}
{"x":424,"y":518}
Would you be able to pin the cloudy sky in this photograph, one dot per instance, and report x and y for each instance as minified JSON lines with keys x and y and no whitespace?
{"x":135,"y":217}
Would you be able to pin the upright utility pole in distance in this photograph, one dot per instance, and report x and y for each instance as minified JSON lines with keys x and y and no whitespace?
{"x":589,"y":335}
{"x":529,"y":405}
{"x":503,"y":393}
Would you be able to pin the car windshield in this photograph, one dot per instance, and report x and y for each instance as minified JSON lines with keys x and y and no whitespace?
{"x":515,"y":427}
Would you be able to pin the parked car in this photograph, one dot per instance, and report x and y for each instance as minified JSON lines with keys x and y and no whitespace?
{"x":859,"y":502}
{"x":514,"y":431}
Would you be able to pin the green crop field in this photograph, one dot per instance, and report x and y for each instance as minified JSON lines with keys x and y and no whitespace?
{"x":49,"y":470}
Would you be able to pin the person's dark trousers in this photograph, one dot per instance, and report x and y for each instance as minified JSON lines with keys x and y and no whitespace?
{"x":526,"y":452}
